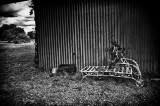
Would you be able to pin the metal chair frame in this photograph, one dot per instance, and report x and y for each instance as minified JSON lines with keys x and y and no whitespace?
{"x":123,"y":69}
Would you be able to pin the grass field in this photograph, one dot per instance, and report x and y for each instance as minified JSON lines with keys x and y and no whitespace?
{"x":24,"y":85}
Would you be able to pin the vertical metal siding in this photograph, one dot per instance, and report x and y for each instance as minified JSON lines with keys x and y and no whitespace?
{"x":80,"y":33}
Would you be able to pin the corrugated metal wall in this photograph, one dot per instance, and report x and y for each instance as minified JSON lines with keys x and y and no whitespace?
{"x":80,"y":33}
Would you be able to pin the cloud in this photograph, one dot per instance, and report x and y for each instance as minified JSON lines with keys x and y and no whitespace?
{"x":26,"y":20}
{"x":6,"y":12}
{"x":28,"y":25}
{"x":15,"y":9}
{"x":9,"y":20}
{"x":17,"y":13}
{"x":20,"y":21}
{"x":2,"y":19}
{"x":25,"y":23}
{"x":25,"y":12}
{"x":27,"y":28}
{"x":30,"y":16}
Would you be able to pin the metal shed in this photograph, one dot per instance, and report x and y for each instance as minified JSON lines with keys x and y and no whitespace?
{"x":79,"y":32}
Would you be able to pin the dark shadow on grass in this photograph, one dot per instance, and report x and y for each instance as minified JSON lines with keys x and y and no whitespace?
{"x":113,"y":80}
{"x":2,"y":65}
{"x":6,"y":98}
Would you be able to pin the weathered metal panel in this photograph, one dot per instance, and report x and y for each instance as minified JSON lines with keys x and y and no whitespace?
{"x":80,"y":33}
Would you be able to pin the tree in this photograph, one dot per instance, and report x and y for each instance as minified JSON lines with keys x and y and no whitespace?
{"x":4,"y":28}
{"x":32,"y":7}
{"x":8,"y":35}
{"x":31,"y":34}
{"x":21,"y":38}
{"x":12,"y":33}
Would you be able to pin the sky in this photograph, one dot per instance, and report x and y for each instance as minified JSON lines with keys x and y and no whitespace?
{"x":17,"y":13}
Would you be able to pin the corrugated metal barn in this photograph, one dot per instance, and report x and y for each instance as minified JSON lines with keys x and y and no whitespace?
{"x":80,"y":32}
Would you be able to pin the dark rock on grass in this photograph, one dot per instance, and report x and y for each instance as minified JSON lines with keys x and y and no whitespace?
{"x":70,"y":69}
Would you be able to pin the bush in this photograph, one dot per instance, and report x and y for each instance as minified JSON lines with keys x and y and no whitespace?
{"x":5,"y":27}
{"x":21,"y":38}
{"x":8,"y":35}
{"x":12,"y":33}
{"x":31,"y":34}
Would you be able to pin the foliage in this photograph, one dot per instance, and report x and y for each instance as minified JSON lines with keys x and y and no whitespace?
{"x":21,"y":38}
{"x":32,"y":7}
{"x":4,"y":28}
{"x":31,"y":34}
{"x":34,"y":37}
{"x":117,"y":52}
{"x":12,"y":33}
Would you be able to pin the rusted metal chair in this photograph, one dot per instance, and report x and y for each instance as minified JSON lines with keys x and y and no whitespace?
{"x":119,"y":66}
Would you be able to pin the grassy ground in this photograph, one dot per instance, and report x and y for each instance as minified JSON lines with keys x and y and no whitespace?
{"x":23,"y":84}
